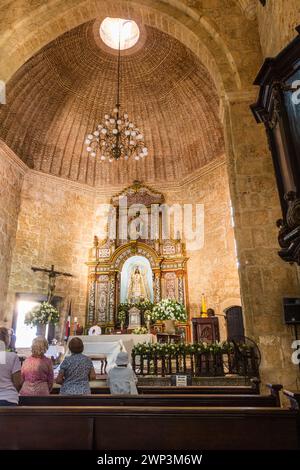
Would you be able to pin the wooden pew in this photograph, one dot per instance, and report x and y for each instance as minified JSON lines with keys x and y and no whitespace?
{"x":145,"y":428}
{"x":189,"y":390}
{"x":294,"y":398}
{"x":170,"y":400}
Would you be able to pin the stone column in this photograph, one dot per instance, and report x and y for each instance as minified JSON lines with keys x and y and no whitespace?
{"x":265,"y":279}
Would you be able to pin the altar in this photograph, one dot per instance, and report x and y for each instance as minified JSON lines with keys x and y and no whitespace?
{"x":111,"y":345}
{"x":130,"y":271}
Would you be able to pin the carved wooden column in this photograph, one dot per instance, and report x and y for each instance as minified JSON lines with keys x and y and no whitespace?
{"x":91,"y":300}
{"x":180,"y":283}
{"x":112,"y":299}
{"x":157,"y":286}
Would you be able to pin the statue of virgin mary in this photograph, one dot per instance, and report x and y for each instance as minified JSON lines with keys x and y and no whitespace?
{"x":138,"y":289}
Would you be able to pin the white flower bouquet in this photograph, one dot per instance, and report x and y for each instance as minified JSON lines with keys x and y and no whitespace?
{"x":169,"y":309}
{"x":42,"y":315}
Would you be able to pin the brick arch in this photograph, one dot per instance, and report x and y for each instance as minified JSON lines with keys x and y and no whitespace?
{"x":46,"y":22}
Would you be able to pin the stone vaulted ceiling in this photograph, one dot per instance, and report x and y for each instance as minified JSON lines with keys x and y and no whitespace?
{"x":62,"y":92}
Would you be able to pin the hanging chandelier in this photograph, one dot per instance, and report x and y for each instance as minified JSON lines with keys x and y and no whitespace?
{"x":116,"y":137}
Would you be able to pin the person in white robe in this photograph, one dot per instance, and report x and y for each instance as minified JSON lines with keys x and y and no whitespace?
{"x":121,"y":379}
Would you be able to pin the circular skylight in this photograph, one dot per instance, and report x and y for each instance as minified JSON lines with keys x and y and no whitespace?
{"x":113,"y":30}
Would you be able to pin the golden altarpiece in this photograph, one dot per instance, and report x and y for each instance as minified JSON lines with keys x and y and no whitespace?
{"x":165,"y":257}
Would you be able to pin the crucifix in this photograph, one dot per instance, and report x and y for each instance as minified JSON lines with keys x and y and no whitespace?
{"x":52,"y":275}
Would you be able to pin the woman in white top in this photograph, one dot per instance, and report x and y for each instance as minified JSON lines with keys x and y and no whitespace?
{"x":10,"y":372}
{"x":121,"y":379}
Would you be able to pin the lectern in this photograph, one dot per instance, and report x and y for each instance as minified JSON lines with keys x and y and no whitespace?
{"x":206,"y":329}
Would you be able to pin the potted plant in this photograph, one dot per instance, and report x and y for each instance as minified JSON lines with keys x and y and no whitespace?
{"x":169,"y":311}
{"x":40,"y":316}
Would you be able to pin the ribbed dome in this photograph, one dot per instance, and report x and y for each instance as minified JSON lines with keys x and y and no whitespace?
{"x":63,"y":92}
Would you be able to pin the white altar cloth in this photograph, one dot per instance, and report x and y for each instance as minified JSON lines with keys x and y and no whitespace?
{"x":110,"y":345}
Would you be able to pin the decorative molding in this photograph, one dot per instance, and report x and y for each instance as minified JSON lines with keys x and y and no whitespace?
{"x":160,"y":186}
{"x":9,"y":156}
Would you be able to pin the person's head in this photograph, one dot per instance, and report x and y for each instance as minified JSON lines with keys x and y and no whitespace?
{"x":76,"y":346}
{"x":39,"y":346}
{"x":210,"y":312}
{"x":122,"y":359}
{"x":4,"y":336}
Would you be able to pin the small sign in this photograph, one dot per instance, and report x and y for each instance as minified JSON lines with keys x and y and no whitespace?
{"x":181,"y":380}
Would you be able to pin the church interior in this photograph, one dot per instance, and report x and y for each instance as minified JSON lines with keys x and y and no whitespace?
{"x":149,"y":169}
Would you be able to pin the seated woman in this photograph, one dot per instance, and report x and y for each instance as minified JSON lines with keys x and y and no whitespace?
{"x":76,"y":371}
{"x":37,"y":370}
{"x":121,"y":379}
{"x":10,"y":372}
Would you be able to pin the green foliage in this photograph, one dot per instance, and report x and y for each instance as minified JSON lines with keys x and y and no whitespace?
{"x":164,"y":349}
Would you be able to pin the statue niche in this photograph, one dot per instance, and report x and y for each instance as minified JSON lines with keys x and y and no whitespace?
{"x":138,"y":288}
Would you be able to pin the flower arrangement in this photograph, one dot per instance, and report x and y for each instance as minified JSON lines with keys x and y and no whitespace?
{"x":140,"y":331}
{"x":42,"y":315}
{"x":169,"y":309}
{"x":172,"y":349}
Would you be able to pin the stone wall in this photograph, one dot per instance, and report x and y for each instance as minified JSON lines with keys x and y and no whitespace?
{"x":213,"y":269}
{"x":277,"y":22}
{"x":11,"y":177}
{"x":58,"y":220}
{"x":265,"y":278}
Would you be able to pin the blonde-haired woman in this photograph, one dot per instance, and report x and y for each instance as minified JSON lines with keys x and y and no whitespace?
{"x":37,"y":370}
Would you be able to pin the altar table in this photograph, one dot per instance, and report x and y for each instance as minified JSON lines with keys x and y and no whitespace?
{"x":110,"y":345}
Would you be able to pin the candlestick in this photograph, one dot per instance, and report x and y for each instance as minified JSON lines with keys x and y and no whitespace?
{"x":203,"y":306}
